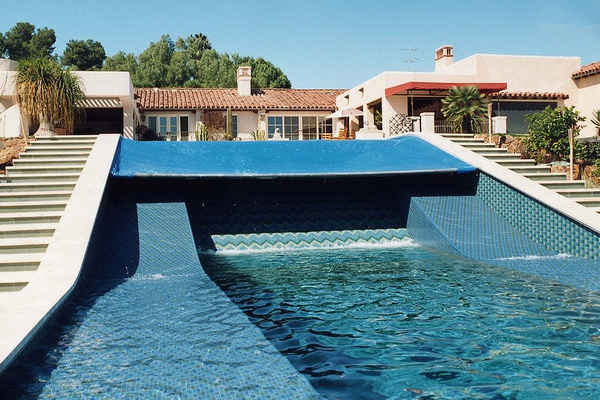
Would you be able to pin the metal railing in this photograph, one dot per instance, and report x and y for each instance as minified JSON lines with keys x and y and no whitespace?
{"x":442,"y":126}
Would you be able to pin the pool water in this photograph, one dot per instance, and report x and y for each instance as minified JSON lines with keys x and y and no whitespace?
{"x":410,"y":323}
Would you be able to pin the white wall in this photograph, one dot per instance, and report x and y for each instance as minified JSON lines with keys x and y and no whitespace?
{"x":588,"y":101}
{"x":95,"y":84}
{"x":520,"y":73}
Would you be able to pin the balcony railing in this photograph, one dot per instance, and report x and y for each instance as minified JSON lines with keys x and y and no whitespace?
{"x":442,"y":126}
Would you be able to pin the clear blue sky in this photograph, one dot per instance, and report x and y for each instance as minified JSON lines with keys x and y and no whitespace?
{"x":328,"y":44}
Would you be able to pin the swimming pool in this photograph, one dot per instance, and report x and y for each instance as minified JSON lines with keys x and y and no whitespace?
{"x":410,"y":323}
{"x":377,"y":322}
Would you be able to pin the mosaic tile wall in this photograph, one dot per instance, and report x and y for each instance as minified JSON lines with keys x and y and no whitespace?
{"x":298,"y":240}
{"x":544,"y":226}
{"x":467,"y":226}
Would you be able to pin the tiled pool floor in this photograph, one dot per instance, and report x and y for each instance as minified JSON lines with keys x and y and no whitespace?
{"x":164,"y":333}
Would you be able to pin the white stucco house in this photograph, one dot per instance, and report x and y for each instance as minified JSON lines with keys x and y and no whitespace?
{"x":517,"y":85}
{"x":109,"y":104}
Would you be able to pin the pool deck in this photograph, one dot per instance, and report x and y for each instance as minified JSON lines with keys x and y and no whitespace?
{"x":24,"y":313}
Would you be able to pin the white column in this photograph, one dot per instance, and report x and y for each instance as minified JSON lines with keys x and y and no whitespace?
{"x":416,"y":123}
{"x":368,"y":117}
{"x":128,"y":124}
{"x":428,"y":122}
{"x":499,"y":124}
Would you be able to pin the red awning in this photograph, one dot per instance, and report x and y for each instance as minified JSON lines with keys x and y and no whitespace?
{"x":483,"y":87}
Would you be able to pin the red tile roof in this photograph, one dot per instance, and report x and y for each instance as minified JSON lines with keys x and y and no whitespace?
{"x":590,"y":69}
{"x":223,"y":98}
{"x":529,"y":95}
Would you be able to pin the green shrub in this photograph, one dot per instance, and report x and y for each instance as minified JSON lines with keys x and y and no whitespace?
{"x":549,"y":133}
{"x":588,"y":152}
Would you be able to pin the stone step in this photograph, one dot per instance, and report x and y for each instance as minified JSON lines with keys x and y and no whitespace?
{"x":516,"y":163}
{"x":44,"y":195}
{"x":62,"y":143}
{"x":20,"y":262}
{"x":23,"y":246}
{"x":27,"y":230}
{"x":12,"y":286}
{"x":57,"y":148}
{"x":456,"y":135}
{"x":33,"y":161}
{"x":29,"y":218}
{"x":469,"y":140}
{"x":489,"y":150}
{"x":36,"y":186}
{"x":32,"y":206}
{"x":580,"y":193}
{"x":69,"y":140}
{"x":501,"y":157}
{"x":555,"y":185}
{"x":41,"y":178}
{"x":43,"y":169}
{"x":587,"y":201}
{"x":478,"y":145}
{"x":529,"y":169}
{"x":12,"y":281}
{"x":596,"y":209}
{"x":53,"y":155}
{"x":546,"y":177}
{"x":66,"y":137}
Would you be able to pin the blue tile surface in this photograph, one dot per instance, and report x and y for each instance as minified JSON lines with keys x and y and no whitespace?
{"x":167,"y":331}
{"x":503,"y":227}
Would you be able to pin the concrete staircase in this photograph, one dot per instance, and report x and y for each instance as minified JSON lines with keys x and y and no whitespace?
{"x":33,"y":195}
{"x":541,"y":174}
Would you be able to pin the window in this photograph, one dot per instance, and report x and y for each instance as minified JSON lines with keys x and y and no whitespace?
{"x":274,"y":123}
{"x":291,"y":128}
{"x":152,"y":124}
{"x":325,"y":125}
{"x":309,"y":128}
{"x":234,"y":127}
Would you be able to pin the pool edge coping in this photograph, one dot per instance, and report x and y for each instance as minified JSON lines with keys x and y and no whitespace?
{"x":25,"y":313}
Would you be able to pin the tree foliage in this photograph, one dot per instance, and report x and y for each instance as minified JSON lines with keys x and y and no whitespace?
{"x":48,"y":93}
{"x":465,"y":109}
{"x":192,"y":62}
{"x":24,"y":41}
{"x":548,"y":136}
{"x":185,"y":62}
{"x":84,"y":55}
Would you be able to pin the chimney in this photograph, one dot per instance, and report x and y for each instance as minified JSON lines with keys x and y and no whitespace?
{"x":444,"y":56}
{"x":244,"y":76}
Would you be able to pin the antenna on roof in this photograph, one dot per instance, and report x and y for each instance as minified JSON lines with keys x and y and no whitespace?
{"x":412,"y":60}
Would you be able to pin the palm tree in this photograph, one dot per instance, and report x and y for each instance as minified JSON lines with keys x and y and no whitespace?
{"x":48,"y":94}
{"x":596,"y":119}
{"x":465,"y":109}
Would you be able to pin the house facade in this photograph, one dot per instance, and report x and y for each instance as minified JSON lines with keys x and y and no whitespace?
{"x":109,"y":105}
{"x":516,"y":86}
{"x":297,"y":114}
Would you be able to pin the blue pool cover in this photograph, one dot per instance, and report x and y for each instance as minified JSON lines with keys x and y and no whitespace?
{"x":404,"y":155}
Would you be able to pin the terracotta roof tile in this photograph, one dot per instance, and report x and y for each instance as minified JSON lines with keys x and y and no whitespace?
{"x":590,"y":69}
{"x":529,"y":95}
{"x":223,"y":98}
